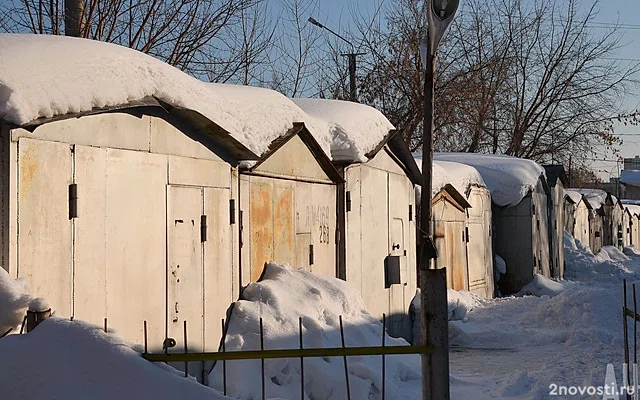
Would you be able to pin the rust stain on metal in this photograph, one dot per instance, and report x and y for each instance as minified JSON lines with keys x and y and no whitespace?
{"x":28,"y":169}
{"x":261,"y":217}
{"x":283,"y":226}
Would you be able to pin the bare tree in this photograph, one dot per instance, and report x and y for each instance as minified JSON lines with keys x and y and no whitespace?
{"x":294,"y":58}
{"x":193,"y":35}
{"x":529,"y":79}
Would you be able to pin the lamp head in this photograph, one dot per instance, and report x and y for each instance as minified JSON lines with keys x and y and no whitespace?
{"x":443,"y":9}
{"x":440,"y":14}
{"x":316,"y":23}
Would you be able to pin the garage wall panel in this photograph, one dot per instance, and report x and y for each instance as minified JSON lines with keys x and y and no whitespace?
{"x":44,"y":230}
{"x":90,"y":263}
{"x":218,"y":268}
{"x":135,"y":242}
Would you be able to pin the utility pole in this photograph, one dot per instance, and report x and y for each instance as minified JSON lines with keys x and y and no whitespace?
{"x":353,"y":91}
{"x":73,"y":15}
{"x":433,"y":281}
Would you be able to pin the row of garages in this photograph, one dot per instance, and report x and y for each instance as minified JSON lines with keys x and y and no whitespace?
{"x":597,"y":219}
{"x":156,"y":213}
{"x":155,"y":210}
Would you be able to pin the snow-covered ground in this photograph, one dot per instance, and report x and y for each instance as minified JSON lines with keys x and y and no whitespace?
{"x":552,"y":333}
{"x":64,"y":359}
{"x":518,"y":347}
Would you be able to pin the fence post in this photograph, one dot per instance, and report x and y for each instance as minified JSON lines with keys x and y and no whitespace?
{"x":186,"y":363}
{"x":301,"y":361}
{"x":626,"y":333}
{"x":224,"y":362}
{"x":384,"y":324}
{"x":346,"y":368}
{"x":262,"y":359}
{"x":146,"y":349}
{"x":34,"y":317}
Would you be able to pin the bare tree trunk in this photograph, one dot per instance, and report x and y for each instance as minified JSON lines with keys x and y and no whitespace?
{"x":73,"y":12}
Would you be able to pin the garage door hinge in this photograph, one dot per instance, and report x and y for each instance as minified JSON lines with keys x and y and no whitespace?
{"x":466,"y":229}
{"x":348,"y":201}
{"x":310,"y":254}
{"x":232,"y":211}
{"x":203,"y":228}
{"x":241,"y":227}
{"x":73,"y":201}
{"x":410,"y":212}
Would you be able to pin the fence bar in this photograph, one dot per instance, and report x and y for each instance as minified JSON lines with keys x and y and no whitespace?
{"x":301,"y":360}
{"x":146,"y":350}
{"x":289,"y":353}
{"x":624,"y":325}
{"x":186,"y":350}
{"x":384,"y":325}
{"x":24,"y":321}
{"x":635,"y":328}
{"x":262,"y":359}
{"x":346,"y":368}
{"x":224,"y":362}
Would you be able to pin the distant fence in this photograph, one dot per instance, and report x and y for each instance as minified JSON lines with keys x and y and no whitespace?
{"x":300,"y":353}
{"x":633,"y":314}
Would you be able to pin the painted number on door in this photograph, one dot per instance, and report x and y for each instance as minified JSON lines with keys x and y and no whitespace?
{"x":324,"y":234}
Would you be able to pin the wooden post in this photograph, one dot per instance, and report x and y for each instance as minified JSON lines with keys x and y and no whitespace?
{"x":35,"y":317}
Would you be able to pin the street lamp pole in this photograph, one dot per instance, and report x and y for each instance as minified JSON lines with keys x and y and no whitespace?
{"x":351,"y":57}
{"x":433,"y":280}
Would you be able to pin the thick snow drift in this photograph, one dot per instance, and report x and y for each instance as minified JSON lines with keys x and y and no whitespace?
{"x":45,"y":76}
{"x":355,"y":128}
{"x":14,"y":300}
{"x":460,"y":176}
{"x":61,"y":359}
{"x":542,"y":286}
{"x":280,"y":299}
{"x":509,"y":179}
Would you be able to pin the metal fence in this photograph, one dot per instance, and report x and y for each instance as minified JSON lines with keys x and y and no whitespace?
{"x":300,"y":353}
{"x":633,"y":314}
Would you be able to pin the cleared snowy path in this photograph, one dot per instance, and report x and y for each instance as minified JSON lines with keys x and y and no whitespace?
{"x":518,"y":347}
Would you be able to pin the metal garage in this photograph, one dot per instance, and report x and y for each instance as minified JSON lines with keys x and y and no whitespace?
{"x":127,"y":215}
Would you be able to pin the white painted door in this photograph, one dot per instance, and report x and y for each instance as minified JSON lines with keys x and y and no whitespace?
{"x":218,"y":264}
{"x":44,"y":240}
{"x":185,"y":297}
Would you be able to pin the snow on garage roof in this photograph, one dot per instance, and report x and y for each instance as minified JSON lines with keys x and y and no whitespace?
{"x":356,"y":129}
{"x":573,"y":195}
{"x":460,"y":176}
{"x":595,"y":197}
{"x":508,"y":178}
{"x":634,"y":209}
{"x":46,"y":76}
{"x":630,"y":177}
